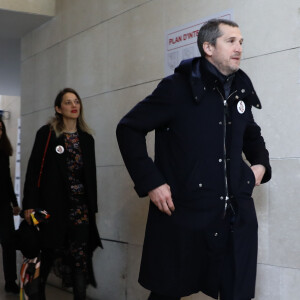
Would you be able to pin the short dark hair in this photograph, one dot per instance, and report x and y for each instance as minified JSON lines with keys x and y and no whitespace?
{"x":210,"y":31}
{"x":5,"y":145}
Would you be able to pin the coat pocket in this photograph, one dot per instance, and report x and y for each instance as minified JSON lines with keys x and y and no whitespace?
{"x":204,"y":180}
{"x":247,"y":181}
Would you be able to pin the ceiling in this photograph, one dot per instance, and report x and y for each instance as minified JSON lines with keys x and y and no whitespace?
{"x":15,"y":25}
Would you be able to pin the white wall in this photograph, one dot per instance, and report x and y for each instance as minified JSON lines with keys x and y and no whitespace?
{"x":40,"y":7}
{"x":10,"y":67}
{"x":112,"y":52}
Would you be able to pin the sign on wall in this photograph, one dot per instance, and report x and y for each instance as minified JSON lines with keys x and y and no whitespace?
{"x":181,"y":42}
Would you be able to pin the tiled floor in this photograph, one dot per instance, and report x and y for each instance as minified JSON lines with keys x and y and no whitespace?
{"x":52,"y":293}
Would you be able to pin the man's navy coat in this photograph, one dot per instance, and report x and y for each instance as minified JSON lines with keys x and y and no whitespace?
{"x":199,"y":143}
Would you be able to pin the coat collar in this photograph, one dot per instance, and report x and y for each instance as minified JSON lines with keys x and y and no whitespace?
{"x":203,"y":80}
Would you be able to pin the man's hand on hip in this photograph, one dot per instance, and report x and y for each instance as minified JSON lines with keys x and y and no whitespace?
{"x":259,"y":172}
{"x":162,"y":198}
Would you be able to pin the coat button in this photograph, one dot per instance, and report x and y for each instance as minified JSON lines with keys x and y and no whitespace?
{"x":168,"y":128}
{"x":243,"y":91}
{"x":257,"y":105}
{"x":248,"y":182}
{"x":237,"y":97}
{"x":220,"y":123}
{"x":229,"y":123}
{"x":221,"y":198}
{"x":220,"y":160}
{"x":200,"y":184}
{"x":196,"y":97}
{"x":216,"y":234}
{"x":204,"y":88}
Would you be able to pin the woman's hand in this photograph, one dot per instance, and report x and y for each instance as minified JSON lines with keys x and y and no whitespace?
{"x":27,"y":213}
{"x":16,"y":210}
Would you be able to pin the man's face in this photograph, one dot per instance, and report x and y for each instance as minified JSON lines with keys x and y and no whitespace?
{"x":226,"y":54}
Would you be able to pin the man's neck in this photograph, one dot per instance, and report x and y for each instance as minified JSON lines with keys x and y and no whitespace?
{"x":216,"y":72}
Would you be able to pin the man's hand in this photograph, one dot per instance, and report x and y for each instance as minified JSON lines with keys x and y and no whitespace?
{"x":259,"y":172}
{"x":162,"y":198}
{"x":27,"y":214}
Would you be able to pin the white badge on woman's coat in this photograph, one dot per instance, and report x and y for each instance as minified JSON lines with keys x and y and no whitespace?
{"x":241,"y":107}
{"x":60,"y":149}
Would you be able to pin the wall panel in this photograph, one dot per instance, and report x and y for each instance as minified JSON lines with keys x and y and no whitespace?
{"x":112,"y":52}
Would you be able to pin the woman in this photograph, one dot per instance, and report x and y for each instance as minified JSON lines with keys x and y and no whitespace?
{"x":8,"y":208}
{"x":64,"y":184}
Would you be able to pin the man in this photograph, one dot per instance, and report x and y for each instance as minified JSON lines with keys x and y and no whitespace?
{"x":201,"y":231}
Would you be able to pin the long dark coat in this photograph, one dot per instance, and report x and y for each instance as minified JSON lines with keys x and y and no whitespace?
{"x":195,"y":135}
{"x":7,"y":198}
{"x":53,"y":193}
{"x":7,"y":226}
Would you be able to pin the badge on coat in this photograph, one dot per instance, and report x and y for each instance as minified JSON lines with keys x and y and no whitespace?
{"x":60,"y":149}
{"x":241,"y":107}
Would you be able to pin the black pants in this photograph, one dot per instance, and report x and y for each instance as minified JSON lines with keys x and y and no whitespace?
{"x":9,"y":260}
{"x":78,"y":278}
{"x":7,"y":231}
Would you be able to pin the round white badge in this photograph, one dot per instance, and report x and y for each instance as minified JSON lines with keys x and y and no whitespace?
{"x":241,"y":107}
{"x":60,"y":149}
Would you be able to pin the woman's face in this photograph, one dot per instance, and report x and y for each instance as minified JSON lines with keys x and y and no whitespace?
{"x":70,"y":106}
{"x":1,"y":128}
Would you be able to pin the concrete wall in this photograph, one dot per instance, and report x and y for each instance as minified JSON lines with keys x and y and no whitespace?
{"x":10,"y":53}
{"x":40,"y":7}
{"x":112,"y":52}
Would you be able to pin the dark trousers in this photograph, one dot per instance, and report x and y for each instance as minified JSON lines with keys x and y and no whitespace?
{"x":9,"y":260}
{"x":78,"y":278}
{"x":7,"y":238}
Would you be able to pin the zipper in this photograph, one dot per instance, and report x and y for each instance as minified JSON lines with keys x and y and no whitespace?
{"x":225,"y":152}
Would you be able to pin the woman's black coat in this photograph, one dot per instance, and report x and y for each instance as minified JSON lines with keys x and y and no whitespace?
{"x":53,"y":192}
{"x":183,"y":253}
{"x":8,"y":198}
